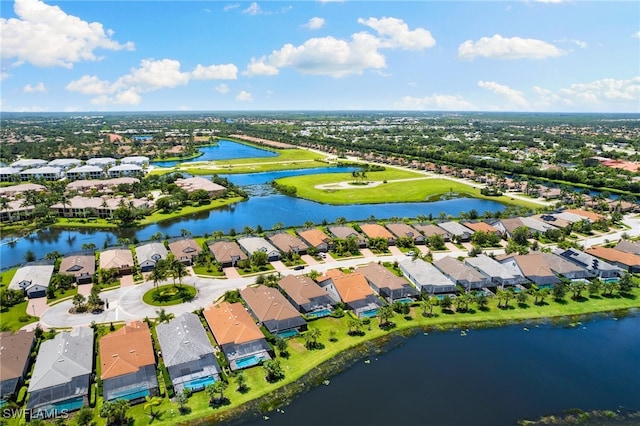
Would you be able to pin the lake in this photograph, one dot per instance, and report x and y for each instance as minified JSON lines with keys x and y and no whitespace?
{"x":223,"y":150}
{"x":491,"y":377}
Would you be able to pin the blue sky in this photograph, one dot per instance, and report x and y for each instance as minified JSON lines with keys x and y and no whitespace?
{"x":546,"y":55}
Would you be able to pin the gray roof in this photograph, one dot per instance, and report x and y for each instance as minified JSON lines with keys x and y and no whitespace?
{"x":423,"y":273}
{"x":253,"y":244}
{"x":459,"y":271}
{"x":125,"y":168}
{"x":455,"y":228}
{"x":64,"y":162}
{"x":32,"y":274}
{"x":536,"y":225}
{"x":28,"y":162}
{"x":10,"y":170}
{"x":183,"y":340}
{"x":67,"y":355}
{"x":85,"y":169}
{"x":101,"y":161}
{"x":41,"y":170}
{"x":585,"y":260}
{"x":628,"y":247}
{"x":151,"y":252}
{"x":490,"y":267}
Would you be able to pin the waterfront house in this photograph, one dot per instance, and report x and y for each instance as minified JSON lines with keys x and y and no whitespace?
{"x":15,"y":210}
{"x":33,"y":278}
{"x":481,"y":227}
{"x":427,"y":277}
{"x":403,"y":230}
{"x":287,"y":243}
{"x":562,"y":267}
{"x":10,"y":174}
{"x":627,"y":261}
{"x":128,"y":364}
{"x":105,"y":185}
{"x":344,"y":232}
{"x":387,"y":284}
{"x":596,"y":267}
{"x":306,"y":295}
{"x":15,"y":353}
{"x":185,"y":250}
{"x":253,"y":244}
{"x":149,"y":254}
{"x":124,"y":170}
{"x":273,"y":310}
{"x":187,"y":353}
{"x":138,"y":160}
{"x":317,"y":239}
{"x":44,"y":173}
{"x":375,"y":230}
{"x":102,"y":162}
{"x":85,"y":172}
{"x":499,"y":274}
{"x":429,"y":230}
{"x":62,"y":373}
{"x":240,"y":339}
{"x":461,"y":273}
{"x":355,"y":292}
{"x":461,"y":232}
{"x":82,"y":265}
{"x":94,"y":206}
{"x":533,"y":267}
{"x":227,"y":253}
{"x":200,"y":183}
{"x":120,"y":259}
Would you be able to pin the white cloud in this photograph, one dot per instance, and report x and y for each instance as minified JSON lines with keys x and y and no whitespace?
{"x":636,"y":35}
{"x":215,"y":72}
{"x":4,"y":75}
{"x":315,"y":23}
{"x":45,"y":36}
{"x":337,"y":57}
{"x":499,"y":47}
{"x":244,"y":96}
{"x":607,"y":89}
{"x":222,"y":88}
{"x":253,"y":9}
{"x":152,"y":75}
{"x":513,"y":96}
{"x":395,"y":33}
{"x":230,"y":7}
{"x":548,"y":1}
{"x":435,"y":102}
{"x":581,"y":44}
{"x":40,"y":87}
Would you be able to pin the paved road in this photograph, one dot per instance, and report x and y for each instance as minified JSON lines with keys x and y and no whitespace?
{"x":126,"y":303}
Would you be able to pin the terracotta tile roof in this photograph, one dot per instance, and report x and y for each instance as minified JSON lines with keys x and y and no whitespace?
{"x":330,"y":274}
{"x":126,"y":350}
{"x":231,"y":323}
{"x":352,"y":287}
{"x":374,"y":230}
{"x":613,"y":255}
{"x":593,"y":217}
{"x":315,"y":237}
{"x":301,"y":289}
{"x":480,"y":227}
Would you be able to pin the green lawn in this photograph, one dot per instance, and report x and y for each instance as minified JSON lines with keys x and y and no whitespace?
{"x":159,"y":216}
{"x":167,"y":295}
{"x":15,"y":317}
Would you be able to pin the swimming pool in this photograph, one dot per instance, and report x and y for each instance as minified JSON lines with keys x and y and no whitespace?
{"x":287,"y":333}
{"x":130,"y":394}
{"x":404,"y":300}
{"x":370,"y":313}
{"x":249,"y":361}
{"x":320,"y":313}
{"x":201,"y":383}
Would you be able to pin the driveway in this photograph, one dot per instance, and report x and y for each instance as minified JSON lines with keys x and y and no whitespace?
{"x":309,"y":260}
{"x":231,"y":272}
{"x":126,"y":281}
{"x":395,"y":250}
{"x":36,"y":307}
{"x":85,"y":289}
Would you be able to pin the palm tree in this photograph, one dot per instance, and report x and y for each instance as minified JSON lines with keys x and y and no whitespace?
{"x":78,"y":300}
{"x":384,"y":314}
{"x":427,"y":304}
{"x":164,"y":316}
{"x":152,"y":402}
{"x":311,"y":338}
{"x":157,"y":275}
{"x":177,"y":268}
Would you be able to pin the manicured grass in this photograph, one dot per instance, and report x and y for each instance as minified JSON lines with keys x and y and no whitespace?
{"x":7,"y":276}
{"x":159,"y":216}
{"x":167,"y":295}
{"x":16,"y":317}
{"x":206,"y":271}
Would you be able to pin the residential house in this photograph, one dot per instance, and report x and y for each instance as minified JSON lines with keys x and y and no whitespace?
{"x":355,"y":292}
{"x":10,"y":174}
{"x":138,"y":160}
{"x":85,"y":172}
{"x":106,"y":185}
{"x":33,"y":278}
{"x":375,"y":230}
{"x":429,"y":230}
{"x":14,"y":190}
{"x":117,"y":258}
{"x":403,"y":230}
{"x":82,"y":265}
{"x":45,"y":173}
{"x":533,"y":267}
{"x":28,"y":163}
{"x":187,"y":353}
{"x":427,"y":277}
{"x":102,"y":162}
{"x":344,"y":232}
{"x":628,"y":261}
{"x":387,"y":284}
{"x":62,"y":373}
{"x":227,"y":253}
{"x":317,"y":239}
{"x":124,"y":170}
{"x":149,"y":254}
{"x":64,"y":163}
{"x":481,"y":227}
{"x":561,"y":266}
{"x":240,"y":339}
{"x":185,"y":250}
{"x":253,"y":244}
{"x":595,"y":267}
{"x":628,"y":247}
{"x":128,"y":363}
{"x":197,"y":183}
{"x":15,"y":353}
{"x":553,"y":220}
{"x":462,"y":274}
{"x":457,"y":230}
{"x":273,"y":310}
{"x":585,"y":214}
{"x":287,"y":243}
{"x":499,"y":274}
{"x":325,"y":281}
{"x":306,"y":295}
{"x":16,"y":210}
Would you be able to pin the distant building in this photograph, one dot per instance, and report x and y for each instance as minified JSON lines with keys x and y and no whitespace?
{"x":44,"y":173}
{"x":137,"y":160}
{"x":28,"y":163}
{"x":103,"y":162}
{"x":64,"y":163}
{"x":124,"y":170}
{"x":196,"y":183}
{"x":85,"y":172}
{"x":9,"y":174}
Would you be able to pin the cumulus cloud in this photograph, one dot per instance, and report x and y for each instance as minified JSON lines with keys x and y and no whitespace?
{"x":222,"y":88}
{"x":152,"y":75}
{"x":40,"y":87}
{"x":45,"y":36}
{"x":636,"y":35}
{"x":315,"y":23}
{"x":230,"y":7}
{"x":244,"y":96}
{"x":253,"y":9}
{"x":607,"y":93}
{"x":435,"y":102}
{"x":4,"y":75}
{"x":499,"y":47}
{"x":395,"y":33}
{"x":339,"y":57}
{"x":513,"y":96}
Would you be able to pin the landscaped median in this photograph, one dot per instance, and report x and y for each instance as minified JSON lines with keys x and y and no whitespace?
{"x":304,"y":368}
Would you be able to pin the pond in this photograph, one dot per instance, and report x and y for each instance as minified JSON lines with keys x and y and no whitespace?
{"x":483,"y":377}
{"x":223,"y":150}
